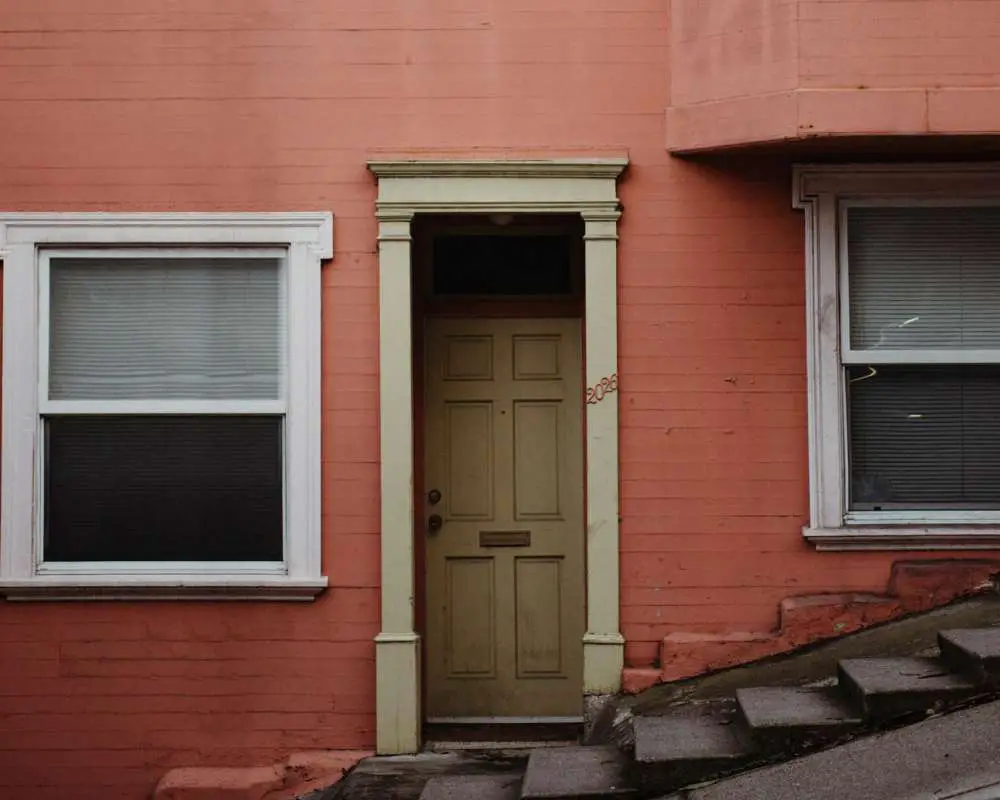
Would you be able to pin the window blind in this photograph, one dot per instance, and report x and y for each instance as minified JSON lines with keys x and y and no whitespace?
{"x":924,"y":277}
{"x":158,"y":328}
{"x":163,"y":488}
{"x":925,"y":437}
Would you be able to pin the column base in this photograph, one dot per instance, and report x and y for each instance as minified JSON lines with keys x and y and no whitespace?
{"x":397,"y":693}
{"x":603,"y":661}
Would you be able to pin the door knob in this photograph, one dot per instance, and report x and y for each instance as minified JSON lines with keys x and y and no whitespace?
{"x":434,"y":523}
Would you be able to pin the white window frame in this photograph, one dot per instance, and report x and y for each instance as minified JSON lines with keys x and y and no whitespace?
{"x":27,"y":241}
{"x":825,"y":193}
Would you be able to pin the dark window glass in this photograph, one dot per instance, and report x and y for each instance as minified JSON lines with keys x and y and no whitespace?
{"x":163,"y":488}
{"x":502,"y":265}
{"x":925,"y":437}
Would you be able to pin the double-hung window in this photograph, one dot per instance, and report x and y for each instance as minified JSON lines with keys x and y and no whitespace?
{"x":904,"y":285}
{"x":172,"y":393}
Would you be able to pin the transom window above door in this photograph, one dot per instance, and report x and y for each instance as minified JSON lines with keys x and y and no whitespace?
{"x":175,"y":418}
{"x":905,"y":364}
{"x":472,"y":265}
{"x":499,"y":263}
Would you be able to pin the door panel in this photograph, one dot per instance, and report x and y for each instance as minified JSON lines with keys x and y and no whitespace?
{"x":469,"y":444}
{"x":536,"y":459}
{"x":539,"y":616}
{"x":505,"y":570}
{"x":471,"y":609}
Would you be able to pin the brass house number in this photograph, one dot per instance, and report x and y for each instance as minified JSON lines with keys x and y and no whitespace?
{"x":605,"y":386}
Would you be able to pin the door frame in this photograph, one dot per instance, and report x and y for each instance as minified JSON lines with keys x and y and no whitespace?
{"x":407,"y":187}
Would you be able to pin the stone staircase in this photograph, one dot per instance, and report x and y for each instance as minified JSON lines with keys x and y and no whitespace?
{"x":702,"y":741}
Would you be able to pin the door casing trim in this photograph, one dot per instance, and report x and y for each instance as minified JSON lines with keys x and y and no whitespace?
{"x":407,"y":187}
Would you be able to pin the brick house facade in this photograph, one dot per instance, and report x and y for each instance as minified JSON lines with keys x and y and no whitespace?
{"x":723,"y":256}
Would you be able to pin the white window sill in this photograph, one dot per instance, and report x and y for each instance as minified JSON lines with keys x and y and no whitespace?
{"x":905,"y":537}
{"x":161,"y":587}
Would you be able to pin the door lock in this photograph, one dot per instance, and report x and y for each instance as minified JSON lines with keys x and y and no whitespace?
{"x":434,"y":497}
{"x":434,"y":523}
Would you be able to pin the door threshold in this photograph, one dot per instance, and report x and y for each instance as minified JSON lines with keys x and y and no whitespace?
{"x":493,"y":732}
{"x":502,"y":746}
{"x":504,"y":720}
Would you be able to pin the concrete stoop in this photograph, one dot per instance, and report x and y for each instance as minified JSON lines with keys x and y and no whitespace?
{"x":706,"y":740}
{"x":298,"y":774}
{"x":482,"y":787}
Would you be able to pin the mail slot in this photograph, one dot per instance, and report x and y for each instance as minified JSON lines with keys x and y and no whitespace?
{"x":504,"y":538}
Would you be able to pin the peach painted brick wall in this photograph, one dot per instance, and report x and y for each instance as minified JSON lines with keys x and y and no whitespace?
{"x":725,"y":49}
{"x":728,"y":49}
{"x":264,"y":105}
{"x":899,"y":43}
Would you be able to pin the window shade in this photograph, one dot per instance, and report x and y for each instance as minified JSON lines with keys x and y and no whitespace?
{"x":924,"y":278}
{"x":143,"y":329}
{"x":924,"y":437}
{"x":163,"y":488}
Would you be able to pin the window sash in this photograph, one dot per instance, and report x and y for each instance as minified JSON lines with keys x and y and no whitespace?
{"x":50,"y":408}
{"x":141,"y":568}
{"x":62,"y":408}
{"x":863,"y":357}
{"x":159,"y":406}
{"x":901,"y":513}
{"x":126,"y":568}
{"x":272,"y":438}
{"x":851,"y":356}
{"x":953,"y":516}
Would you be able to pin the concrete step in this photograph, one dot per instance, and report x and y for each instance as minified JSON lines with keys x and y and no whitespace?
{"x":688,"y":744}
{"x":974,"y":652}
{"x":404,"y":777}
{"x":568,"y":773}
{"x":790,"y":719}
{"x":481,"y":787}
{"x":887,"y":688}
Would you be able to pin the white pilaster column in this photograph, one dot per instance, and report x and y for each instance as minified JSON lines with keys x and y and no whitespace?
{"x":603,"y":644}
{"x":397,"y":646}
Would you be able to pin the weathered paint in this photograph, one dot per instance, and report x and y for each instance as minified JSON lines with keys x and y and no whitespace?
{"x":255,"y":105}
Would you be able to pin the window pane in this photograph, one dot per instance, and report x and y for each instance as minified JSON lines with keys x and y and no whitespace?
{"x":925,"y":437}
{"x":924,"y":277}
{"x":163,"y":488}
{"x":143,"y":329}
{"x":502,"y":265}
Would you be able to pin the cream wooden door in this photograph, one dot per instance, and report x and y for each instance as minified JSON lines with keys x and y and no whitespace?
{"x":505,"y":569}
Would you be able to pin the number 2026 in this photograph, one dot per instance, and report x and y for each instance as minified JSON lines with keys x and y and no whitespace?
{"x":604,"y":387}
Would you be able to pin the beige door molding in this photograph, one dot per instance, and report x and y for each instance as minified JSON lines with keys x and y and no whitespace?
{"x":584,"y":186}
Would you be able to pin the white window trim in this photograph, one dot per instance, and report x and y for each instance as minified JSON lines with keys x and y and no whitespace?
{"x":304,"y":239}
{"x":823,"y":192}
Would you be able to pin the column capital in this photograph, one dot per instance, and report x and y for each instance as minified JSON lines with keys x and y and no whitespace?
{"x":601,"y":224}
{"x":390,"y":212}
{"x":394,"y":225}
{"x":605,"y":212}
